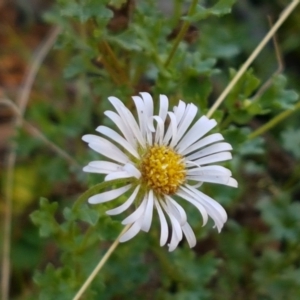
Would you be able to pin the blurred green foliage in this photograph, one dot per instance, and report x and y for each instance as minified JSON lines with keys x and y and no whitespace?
{"x":121,"y":48}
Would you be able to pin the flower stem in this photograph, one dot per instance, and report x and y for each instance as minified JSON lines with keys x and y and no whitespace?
{"x":273,"y":122}
{"x":254,"y":54}
{"x":181,"y":33}
{"x":100,"y":264}
{"x":112,"y":64}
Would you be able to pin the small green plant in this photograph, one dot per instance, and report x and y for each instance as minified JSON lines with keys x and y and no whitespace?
{"x":149,"y":156}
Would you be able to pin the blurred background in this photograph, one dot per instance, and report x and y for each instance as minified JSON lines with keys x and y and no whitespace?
{"x":61,"y":90}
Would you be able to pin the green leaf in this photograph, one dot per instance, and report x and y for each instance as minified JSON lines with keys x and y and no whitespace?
{"x":277,"y":96}
{"x":220,"y":8}
{"x":197,"y":89}
{"x":44,"y":218}
{"x":84,"y":213}
{"x":238,"y":138}
{"x":57,"y":283}
{"x":127,"y":40}
{"x":291,"y":141}
{"x":87,"y":10}
{"x":282,"y":216}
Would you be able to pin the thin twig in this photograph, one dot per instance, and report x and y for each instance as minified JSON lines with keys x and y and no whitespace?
{"x":279,"y":70}
{"x":100,"y":264}
{"x":115,"y":62}
{"x":32,"y":71}
{"x":254,"y":54}
{"x":181,"y":33}
{"x":279,"y":118}
{"x":38,"y":134}
{"x":11,"y":158}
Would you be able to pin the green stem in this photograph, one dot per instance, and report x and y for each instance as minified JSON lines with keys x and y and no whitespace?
{"x":273,"y":122}
{"x":181,"y":33}
{"x":226,"y":122}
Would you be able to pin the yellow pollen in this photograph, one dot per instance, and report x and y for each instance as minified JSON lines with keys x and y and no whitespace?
{"x":162,"y":170}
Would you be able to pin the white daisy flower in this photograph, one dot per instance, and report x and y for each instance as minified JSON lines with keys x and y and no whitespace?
{"x":165,"y":158}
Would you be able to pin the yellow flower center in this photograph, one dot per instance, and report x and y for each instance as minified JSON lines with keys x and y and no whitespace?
{"x":162,"y":170}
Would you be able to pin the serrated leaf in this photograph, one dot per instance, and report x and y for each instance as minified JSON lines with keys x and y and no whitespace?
{"x":238,"y":138}
{"x":76,"y":66}
{"x":44,"y":218}
{"x":220,"y":8}
{"x":291,"y":141}
{"x":277,"y":96}
{"x":88,"y":214}
{"x":126,"y":40}
{"x":283,"y":217}
{"x":197,"y":89}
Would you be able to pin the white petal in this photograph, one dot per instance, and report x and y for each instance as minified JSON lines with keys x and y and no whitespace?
{"x":215,"y":137}
{"x":117,"y":175}
{"x":150,"y":125}
{"x":110,"y":195}
{"x":89,"y":138}
{"x":216,"y":174}
{"x":209,"y":170}
{"x":118,"y":139}
{"x":176,"y":229}
{"x":131,"y":232}
{"x":105,"y":165}
{"x":127,"y":118}
{"x":163,"y":107}
{"x":232,"y":182}
{"x":176,"y":210}
{"x":175,"y":239}
{"x":214,"y":158}
{"x":106,"y":148}
{"x":90,"y":169}
{"x":123,"y":127}
{"x":179,"y":110}
{"x":172,"y":130}
{"x":186,"y":121}
{"x":215,"y":148}
{"x":102,"y":167}
{"x":164,"y":230}
{"x":125,"y":205}
{"x":199,"y":129}
{"x":183,"y":193}
{"x":132,"y":170}
{"x":159,"y":134}
{"x":214,"y":209}
{"x":219,"y":179}
{"x":147,"y":217}
{"x":148,"y":101}
{"x":141,"y":110}
{"x":137,"y":214}
{"x":189,"y":234}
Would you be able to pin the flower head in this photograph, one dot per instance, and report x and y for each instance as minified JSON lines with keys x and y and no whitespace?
{"x":165,"y":158}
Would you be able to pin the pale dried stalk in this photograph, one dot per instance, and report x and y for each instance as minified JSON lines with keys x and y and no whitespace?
{"x":38,"y":134}
{"x":280,"y":68}
{"x":284,"y":15}
{"x":100,"y":264}
{"x":11,"y":158}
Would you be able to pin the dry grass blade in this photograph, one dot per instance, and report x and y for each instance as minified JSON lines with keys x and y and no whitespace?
{"x":11,"y":158}
{"x":284,"y":15}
